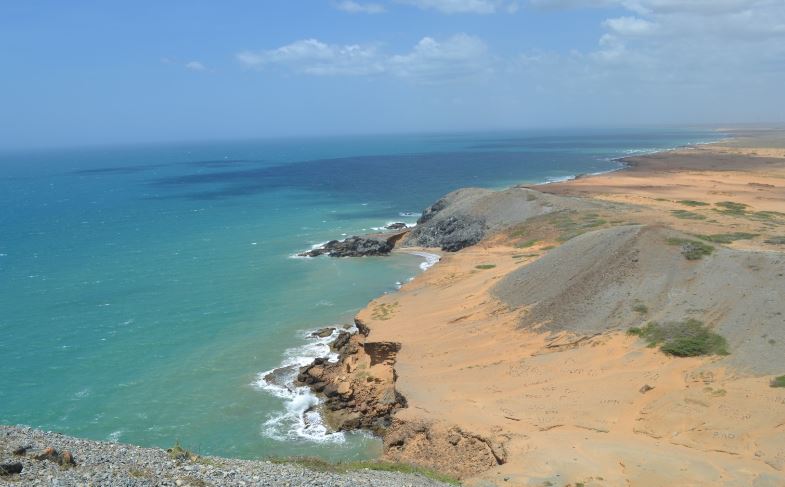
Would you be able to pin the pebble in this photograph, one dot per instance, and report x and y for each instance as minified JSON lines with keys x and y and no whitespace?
{"x":111,"y":464}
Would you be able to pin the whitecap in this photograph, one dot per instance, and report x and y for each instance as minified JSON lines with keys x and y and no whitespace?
{"x":430,"y":259}
{"x":559,"y":179}
{"x":300,"y":418}
{"x":82,"y":394}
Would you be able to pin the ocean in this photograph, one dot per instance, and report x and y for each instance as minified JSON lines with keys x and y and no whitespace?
{"x":145,"y":290}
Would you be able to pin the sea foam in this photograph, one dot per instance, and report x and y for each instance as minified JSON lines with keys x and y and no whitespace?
{"x":299,"y":419}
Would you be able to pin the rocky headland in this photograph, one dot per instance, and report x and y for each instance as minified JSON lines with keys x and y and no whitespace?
{"x":618,"y":328}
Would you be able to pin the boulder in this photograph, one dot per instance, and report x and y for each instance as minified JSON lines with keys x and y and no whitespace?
{"x":67,"y":459}
{"x":10,"y":468}
{"x":341,"y":341}
{"x":322,"y":332}
{"x":330,"y":390}
{"x":281,"y":376}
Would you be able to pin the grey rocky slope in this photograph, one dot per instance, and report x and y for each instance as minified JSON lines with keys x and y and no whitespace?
{"x":594,"y":282}
{"x":112,"y":464}
{"x":466,"y":216}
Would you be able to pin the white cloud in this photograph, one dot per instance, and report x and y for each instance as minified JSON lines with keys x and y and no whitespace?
{"x":458,"y":57}
{"x":311,"y":56}
{"x":464,"y":6}
{"x":360,"y":8}
{"x":631,"y":26}
{"x":195,"y":66}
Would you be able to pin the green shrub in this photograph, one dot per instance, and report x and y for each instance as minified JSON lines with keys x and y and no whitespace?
{"x":766,"y":216}
{"x":485,"y":266}
{"x":776,"y":240}
{"x":178,"y":453}
{"x":688,"y":338}
{"x":692,"y":249}
{"x":692,"y":203}
{"x":640,"y":308}
{"x":778,"y":381}
{"x":726,"y":238}
{"x":527,"y":243}
{"x":732,"y":208}
{"x":687,"y":215}
{"x":138,"y":473}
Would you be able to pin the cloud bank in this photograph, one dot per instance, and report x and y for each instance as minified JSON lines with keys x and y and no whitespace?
{"x":430,"y":60}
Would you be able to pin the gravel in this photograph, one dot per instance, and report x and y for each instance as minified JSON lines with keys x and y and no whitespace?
{"x":113,"y":464}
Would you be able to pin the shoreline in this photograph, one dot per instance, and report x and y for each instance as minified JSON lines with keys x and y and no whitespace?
{"x":309,"y":402}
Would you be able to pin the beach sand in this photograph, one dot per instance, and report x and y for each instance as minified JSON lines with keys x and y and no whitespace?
{"x":600,"y":408}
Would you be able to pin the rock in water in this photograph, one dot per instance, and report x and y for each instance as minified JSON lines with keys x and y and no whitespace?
{"x":323,"y":332}
{"x":396,"y":226}
{"x":353,"y":247}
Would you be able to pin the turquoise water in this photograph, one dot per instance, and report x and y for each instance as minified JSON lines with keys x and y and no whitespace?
{"x":144,"y":289}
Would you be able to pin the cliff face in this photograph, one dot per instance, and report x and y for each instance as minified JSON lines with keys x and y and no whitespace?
{"x":358,"y":390}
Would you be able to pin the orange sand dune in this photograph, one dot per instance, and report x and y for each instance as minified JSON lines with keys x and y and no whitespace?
{"x":599,"y":408}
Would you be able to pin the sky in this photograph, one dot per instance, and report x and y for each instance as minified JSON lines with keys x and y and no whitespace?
{"x":82,"y":72}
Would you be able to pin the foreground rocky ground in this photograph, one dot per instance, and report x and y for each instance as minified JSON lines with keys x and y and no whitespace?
{"x":111,"y":464}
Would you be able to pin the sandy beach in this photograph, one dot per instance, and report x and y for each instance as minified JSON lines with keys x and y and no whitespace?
{"x":520,"y":342}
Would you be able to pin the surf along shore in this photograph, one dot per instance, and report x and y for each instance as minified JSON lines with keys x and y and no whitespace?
{"x":624,"y":328}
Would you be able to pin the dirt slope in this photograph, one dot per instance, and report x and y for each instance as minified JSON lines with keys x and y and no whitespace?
{"x":594,"y":282}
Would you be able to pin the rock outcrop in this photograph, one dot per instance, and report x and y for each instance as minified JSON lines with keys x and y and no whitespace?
{"x":370,"y":245}
{"x":396,"y":226}
{"x":444,"y":448}
{"x":466,"y":216}
{"x":451,"y":234}
{"x":358,"y":390}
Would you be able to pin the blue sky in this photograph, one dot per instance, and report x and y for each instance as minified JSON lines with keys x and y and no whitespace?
{"x":99,"y":72}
